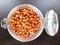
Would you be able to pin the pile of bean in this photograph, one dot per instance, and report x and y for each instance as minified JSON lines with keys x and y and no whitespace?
{"x":25,"y":22}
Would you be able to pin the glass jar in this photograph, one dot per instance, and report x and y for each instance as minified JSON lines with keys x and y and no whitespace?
{"x":50,"y":23}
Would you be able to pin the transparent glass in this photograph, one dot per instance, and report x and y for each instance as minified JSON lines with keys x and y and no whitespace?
{"x":7,"y":25}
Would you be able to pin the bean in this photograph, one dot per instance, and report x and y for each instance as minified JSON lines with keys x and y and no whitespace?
{"x":25,"y":22}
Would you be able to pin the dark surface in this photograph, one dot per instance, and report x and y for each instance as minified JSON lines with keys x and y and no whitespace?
{"x":44,"y":6}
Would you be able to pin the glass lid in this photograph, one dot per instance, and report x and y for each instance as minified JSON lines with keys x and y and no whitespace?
{"x":51,"y":23}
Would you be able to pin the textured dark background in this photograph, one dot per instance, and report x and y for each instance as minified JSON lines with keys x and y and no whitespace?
{"x":44,"y":6}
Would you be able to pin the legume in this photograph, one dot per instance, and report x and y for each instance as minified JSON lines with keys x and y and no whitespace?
{"x":25,"y":22}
